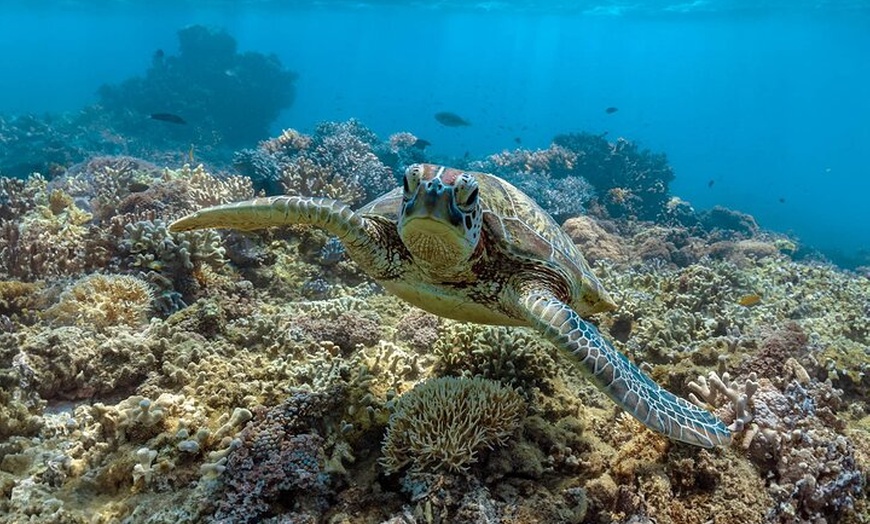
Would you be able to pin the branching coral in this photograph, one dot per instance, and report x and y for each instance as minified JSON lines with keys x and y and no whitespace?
{"x":339,"y":161}
{"x":206,"y":189}
{"x":630,"y":181}
{"x":443,"y":423}
{"x":546,"y":175}
{"x":54,"y":238}
{"x":512,"y":356}
{"x":713,"y":389}
{"x":176,"y":258}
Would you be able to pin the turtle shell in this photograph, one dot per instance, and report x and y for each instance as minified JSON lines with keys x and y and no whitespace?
{"x":518,"y":227}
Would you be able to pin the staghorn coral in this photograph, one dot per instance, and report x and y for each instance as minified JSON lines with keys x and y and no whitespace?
{"x":443,"y":423}
{"x":104,"y":301}
{"x":339,"y":161}
{"x":18,"y":197}
{"x":18,"y":299}
{"x":261,"y":167}
{"x":716,"y":390}
{"x":100,"y":183}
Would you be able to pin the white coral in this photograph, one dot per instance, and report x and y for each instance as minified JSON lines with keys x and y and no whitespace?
{"x":715,"y":391}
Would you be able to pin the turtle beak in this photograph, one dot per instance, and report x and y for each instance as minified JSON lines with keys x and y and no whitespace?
{"x":434,"y":200}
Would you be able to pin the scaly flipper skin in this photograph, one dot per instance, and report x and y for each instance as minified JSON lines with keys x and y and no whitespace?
{"x":366,"y":239}
{"x":622,"y":381}
{"x":260,"y":213}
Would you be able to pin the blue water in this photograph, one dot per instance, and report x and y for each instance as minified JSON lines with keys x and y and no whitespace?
{"x":771,"y":103}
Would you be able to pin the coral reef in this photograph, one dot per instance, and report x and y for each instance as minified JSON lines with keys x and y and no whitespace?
{"x":582,"y":170}
{"x":629,"y":181}
{"x":278,"y":456}
{"x":147,"y":376}
{"x":340,"y":160}
{"x":547,"y":175}
{"x":202,"y":85}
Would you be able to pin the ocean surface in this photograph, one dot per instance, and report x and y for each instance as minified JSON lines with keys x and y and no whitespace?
{"x":761,"y":107}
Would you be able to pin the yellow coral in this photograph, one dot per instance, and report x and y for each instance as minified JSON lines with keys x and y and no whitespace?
{"x":442,"y":423}
{"x":101,"y":301}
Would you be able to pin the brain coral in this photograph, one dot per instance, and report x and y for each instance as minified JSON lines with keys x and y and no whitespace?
{"x":442,"y":423}
{"x":101,"y":301}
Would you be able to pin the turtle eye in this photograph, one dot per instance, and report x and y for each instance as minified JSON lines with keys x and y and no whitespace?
{"x":411,"y":181}
{"x":466,"y":192}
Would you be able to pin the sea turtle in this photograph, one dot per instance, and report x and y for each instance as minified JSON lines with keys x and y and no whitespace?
{"x":470,"y":246}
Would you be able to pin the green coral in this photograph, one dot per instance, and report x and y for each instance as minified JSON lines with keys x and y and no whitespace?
{"x":443,"y":423}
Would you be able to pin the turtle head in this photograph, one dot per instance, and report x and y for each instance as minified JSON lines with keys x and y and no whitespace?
{"x":440,"y":218}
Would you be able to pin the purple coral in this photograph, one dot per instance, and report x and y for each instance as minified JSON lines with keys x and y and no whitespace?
{"x":278,"y":466}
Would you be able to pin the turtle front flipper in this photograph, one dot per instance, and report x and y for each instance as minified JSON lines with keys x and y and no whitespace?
{"x":364,"y":238}
{"x":622,"y":381}
{"x":260,"y":213}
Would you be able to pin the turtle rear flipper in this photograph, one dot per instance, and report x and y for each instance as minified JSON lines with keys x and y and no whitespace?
{"x":622,"y":381}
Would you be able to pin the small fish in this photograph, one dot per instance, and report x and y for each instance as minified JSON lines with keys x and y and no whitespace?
{"x":191,"y":159}
{"x":421,"y":144}
{"x":749,"y":300}
{"x":711,"y":182}
{"x":611,"y":110}
{"x":446,"y":118}
{"x":518,"y":140}
{"x":781,"y":200}
{"x":137,"y":187}
{"x":168,"y":117}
